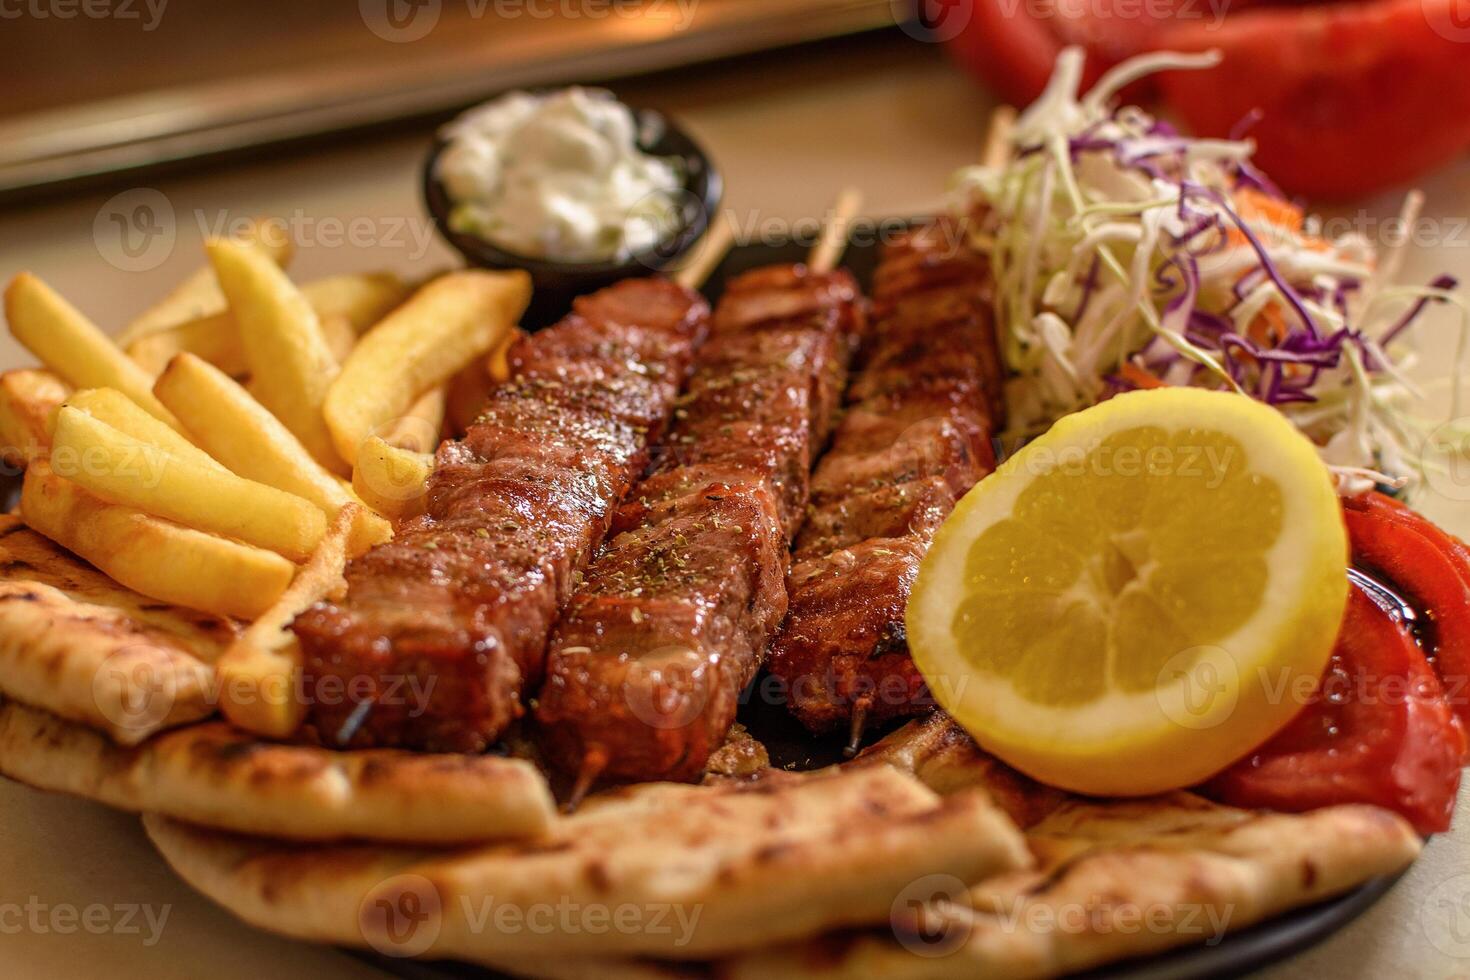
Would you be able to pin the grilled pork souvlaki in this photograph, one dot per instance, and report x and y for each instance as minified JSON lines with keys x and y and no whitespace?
{"x":461,"y":602}
{"x":672,"y":620}
{"x":915,"y":437}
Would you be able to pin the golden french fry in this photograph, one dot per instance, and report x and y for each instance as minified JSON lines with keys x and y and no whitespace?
{"x":155,"y":557}
{"x":238,"y":431}
{"x":257,"y":673}
{"x":28,"y":397}
{"x":466,"y":396}
{"x":128,"y":471}
{"x":341,"y":338}
{"x":419,"y":346}
{"x":291,"y":363}
{"x":499,"y":363}
{"x":422,"y":426}
{"x":214,"y":338}
{"x":362,"y":299}
{"x":199,"y":295}
{"x":119,"y":411}
{"x":72,"y":346}
{"x":390,"y":480}
{"x":342,"y":303}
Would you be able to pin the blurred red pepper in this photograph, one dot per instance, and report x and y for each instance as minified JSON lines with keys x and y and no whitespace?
{"x":1353,"y":95}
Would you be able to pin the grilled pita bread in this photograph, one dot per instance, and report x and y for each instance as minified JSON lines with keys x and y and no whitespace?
{"x":76,"y":643}
{"x":1113,"y":880}
{"x":218,"y":776}
{"x":694,"y":871}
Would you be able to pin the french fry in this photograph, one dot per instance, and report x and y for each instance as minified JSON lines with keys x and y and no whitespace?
{"x":419,"y":346}
{"x":467,"y":394}
{"x":422,"y":425}
{"x":341,"y":338}
{"x":499,"y":363}
{"x":342,"y":303}
{"x":28,"y":397}
{"x":155,"y":557}
{"x":128,"y":471}
{"x":469,"y":390}
{"x":291,"y":363}
{"x":199,"y":295}
{"x":362,"y":299}
{"x":257,"y":673}
{"x":214,"y":338}
{"x":238,"y":431}
{"x":390,"y":480}
{"x":72,"y":346}
{"x":119,"y":411}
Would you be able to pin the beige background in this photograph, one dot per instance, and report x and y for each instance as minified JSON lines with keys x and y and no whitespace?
{"x":889,"y":115}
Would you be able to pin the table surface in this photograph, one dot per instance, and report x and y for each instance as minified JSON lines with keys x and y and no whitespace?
{"x":889,"y":115}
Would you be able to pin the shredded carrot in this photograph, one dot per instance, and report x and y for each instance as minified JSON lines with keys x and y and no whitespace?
{"x":1139,"y":376}
{"x":1269,"y":326}
{"x":1260,"y":209}
{"x":1252,"y":205}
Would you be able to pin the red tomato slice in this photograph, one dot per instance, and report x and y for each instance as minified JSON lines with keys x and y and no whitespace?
{"x":1007,"y":47}
{"x":1376,"y":731}
{"x":1431,"y":570}
{"x":1354,"y":96}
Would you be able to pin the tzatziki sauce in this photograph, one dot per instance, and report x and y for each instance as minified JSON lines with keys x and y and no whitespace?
{"x":558,"y":176}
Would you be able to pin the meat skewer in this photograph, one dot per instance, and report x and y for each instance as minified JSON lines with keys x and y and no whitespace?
{"x":673,"y":618}
{"x":915,"y":437}
{"x":444,"y":628}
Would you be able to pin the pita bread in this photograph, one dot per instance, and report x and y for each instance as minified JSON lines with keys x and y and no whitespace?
{"x":216,"y":775}
{"x":1114,"y":879}
{"x":76,"y":643}
{"x":682,"y":871}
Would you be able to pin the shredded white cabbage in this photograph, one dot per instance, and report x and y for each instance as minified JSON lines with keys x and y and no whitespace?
{"x":1126,"y":255}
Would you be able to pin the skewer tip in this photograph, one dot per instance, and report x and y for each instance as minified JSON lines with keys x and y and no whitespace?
{"x":998,"y":136}
{"x":829,"y":249}
{"x":593,"y":762}
{"x":708,"y":254}
{"x":859,"y":724}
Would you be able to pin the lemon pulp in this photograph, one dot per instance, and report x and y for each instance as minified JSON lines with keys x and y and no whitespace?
{"x":1131,"y":602}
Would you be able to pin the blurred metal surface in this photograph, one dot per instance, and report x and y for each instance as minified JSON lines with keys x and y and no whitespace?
{"x":193,"y":80}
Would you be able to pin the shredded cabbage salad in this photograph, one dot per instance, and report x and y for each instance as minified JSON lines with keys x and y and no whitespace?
{"x":1128,"y":256}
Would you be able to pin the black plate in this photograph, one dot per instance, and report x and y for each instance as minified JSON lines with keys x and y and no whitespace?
{"x":790,"y":746}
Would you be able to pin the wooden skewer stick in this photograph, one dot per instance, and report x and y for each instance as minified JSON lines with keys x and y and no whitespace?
{"x":998,"y":136}
{"x":828,"y":251}
{"x":709,"y":253}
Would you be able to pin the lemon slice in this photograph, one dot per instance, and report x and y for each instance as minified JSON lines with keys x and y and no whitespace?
{"x":1138,"y":597}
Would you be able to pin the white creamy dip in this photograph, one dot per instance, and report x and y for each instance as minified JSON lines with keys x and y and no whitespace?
{"x":559,"y":176}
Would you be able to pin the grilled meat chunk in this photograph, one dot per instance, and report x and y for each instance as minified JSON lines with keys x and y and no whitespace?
{"x":916,"y":437}
{"x":444,"y":627}
{"x":672,"y":620}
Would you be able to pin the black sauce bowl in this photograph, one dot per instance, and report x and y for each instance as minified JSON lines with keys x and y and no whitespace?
{"x":556,"y":284}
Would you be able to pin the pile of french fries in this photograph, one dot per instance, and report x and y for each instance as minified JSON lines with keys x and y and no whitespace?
{"x":245,"y":436}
